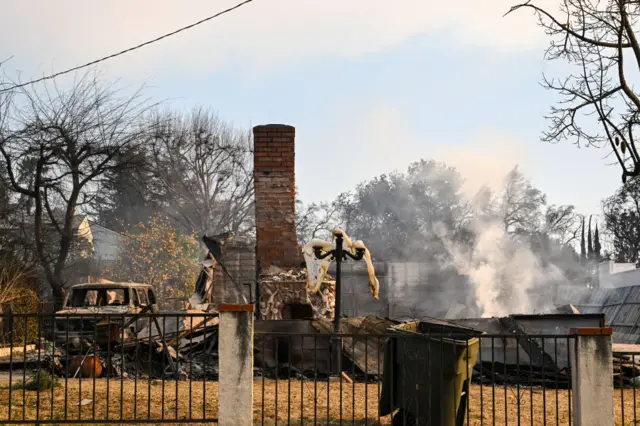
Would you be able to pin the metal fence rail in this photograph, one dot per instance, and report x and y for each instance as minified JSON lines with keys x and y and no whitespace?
{"x":163,"y":369}
{"x":626,"y":378}
{"x":508,"y":383}
{"x":109,"y":368}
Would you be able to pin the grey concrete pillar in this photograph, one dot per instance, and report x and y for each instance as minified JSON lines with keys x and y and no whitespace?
{"x":592,"y":377}
{"x":235,"y":350}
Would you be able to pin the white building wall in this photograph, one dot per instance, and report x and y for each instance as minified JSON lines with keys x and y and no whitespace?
{"x":106,"y":243}
{"x":614,"y":275}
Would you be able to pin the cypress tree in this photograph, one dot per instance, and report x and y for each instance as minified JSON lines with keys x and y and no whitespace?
{"x":589,"y":243}
{"x":583,"y":251}
{"x":596,"y":244}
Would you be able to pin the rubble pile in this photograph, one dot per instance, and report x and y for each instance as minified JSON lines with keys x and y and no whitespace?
{"x":280,"y":287}
{"x":167,"y":347}
{"x":488,"y":373}
{"x":274,"y":273}
{"x":626,"y":370}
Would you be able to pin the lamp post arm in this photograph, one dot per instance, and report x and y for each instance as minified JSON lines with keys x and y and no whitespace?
{"x":358,"y":256}
{"x":317,"y":251}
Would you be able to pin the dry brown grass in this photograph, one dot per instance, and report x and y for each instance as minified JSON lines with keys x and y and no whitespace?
{"x":299,"y":401}
{"x":191,"y":401}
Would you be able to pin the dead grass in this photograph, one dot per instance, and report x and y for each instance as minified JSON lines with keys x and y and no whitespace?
{"x":142,"y":401}
{"x":297,"y":401}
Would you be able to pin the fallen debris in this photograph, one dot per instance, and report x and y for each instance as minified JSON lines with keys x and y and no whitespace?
{"x":626,"y":370}
{"x":365,"y":351}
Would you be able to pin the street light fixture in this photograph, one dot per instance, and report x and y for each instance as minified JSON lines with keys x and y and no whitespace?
{"x":339,"y":255}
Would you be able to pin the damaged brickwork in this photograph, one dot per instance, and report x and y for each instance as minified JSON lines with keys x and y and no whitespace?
{"x":275,"y":196}
{"x":276,"y":295}
{"x":238,"y":255}
{"x":276,"y":238}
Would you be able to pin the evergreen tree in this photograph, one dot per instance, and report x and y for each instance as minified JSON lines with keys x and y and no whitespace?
{"x":622,"y":221}
{"x":583,"y":251}
{"x":589,"y":243}
{"x":596,"y":245}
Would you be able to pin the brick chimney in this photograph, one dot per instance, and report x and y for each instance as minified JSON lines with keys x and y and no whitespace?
{"x":275,"y":196}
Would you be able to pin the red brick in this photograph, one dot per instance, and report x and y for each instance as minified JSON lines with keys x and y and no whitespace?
{"x":274,"y":183}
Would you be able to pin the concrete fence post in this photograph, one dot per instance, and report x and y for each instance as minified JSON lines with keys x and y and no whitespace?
{"x":235,"y":351}
{"x":592,"y":377}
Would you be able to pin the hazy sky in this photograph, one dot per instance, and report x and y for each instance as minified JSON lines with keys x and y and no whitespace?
{"x":370,"y":85}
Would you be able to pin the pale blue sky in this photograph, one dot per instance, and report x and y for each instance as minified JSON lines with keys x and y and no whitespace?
{"x":370,"y":85}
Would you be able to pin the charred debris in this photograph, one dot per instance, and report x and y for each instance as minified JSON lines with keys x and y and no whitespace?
{"x":123,"y":335}
{"x":186,"y":347}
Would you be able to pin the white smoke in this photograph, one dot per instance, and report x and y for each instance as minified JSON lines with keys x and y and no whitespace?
{"x":503,"y":270}
{"x":506,"y":275}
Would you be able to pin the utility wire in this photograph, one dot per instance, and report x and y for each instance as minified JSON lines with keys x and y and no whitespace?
{"x":146,"y":43}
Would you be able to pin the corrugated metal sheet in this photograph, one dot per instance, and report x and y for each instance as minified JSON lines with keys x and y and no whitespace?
{"x":621,"y":307}
{"x":495,"y":350}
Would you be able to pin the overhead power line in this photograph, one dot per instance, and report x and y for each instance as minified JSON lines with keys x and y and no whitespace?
{"x":146,"y":43}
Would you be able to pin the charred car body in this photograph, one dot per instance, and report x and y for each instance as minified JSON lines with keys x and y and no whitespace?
{"x":95,"y":311}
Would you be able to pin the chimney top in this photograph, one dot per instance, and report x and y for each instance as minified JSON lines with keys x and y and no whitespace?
{"x":273,"y":127}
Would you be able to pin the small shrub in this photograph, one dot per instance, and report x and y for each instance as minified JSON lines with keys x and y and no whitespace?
{"x":38,"y":382}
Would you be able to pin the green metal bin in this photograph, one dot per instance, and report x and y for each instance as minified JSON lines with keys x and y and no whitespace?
{"x":427,"y":371}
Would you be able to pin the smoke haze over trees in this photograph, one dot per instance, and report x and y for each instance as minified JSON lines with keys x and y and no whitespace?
{"x":195,"y":168}
{"x":507,"y":240}
{"x":202,"y":172}
{"x":90,"y":151}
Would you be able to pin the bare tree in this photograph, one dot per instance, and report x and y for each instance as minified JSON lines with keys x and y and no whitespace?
{"x":56,"y":145}
{"x":562,"y":223}
{"x":595,"y":38}
{"x":202,"y":170}
{"x":521,"y":204}
{"x":316,"y":220}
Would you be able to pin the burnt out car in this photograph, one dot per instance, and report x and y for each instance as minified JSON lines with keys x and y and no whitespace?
{"x":95,"y":311}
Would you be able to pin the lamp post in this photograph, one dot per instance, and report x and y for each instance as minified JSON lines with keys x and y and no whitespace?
{"x":339,"y":255}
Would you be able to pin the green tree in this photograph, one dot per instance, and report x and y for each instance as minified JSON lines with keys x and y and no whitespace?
{"x":597,"y":248}
{"x":125,"y":198}
{"x":583,"y":249}
{"x":157,"y":254}
{"x":589,"y":243}
{"x":622,"y":221}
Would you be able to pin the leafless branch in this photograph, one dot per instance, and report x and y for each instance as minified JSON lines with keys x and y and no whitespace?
{"x":56,"y":145}
{"x":595,"y":39}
